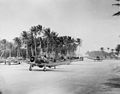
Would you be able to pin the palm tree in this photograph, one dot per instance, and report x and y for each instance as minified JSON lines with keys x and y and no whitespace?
{"x":10,"y":48}
{"x":102,"y":49}
{"x":117,"y":49}
{"x":47,"y":35}
{"x":4,"y":42}
{"x":79,"y":43}
{"x":17,"y":41}
{"x":118,"y":5}
{"x":36,"y":30}
{"x":103,"y":52}
{"x":112,"y":50}
{"x":34,"y":33}
{"x":108,"y":49}
{"x":25,"y":39}
{"x":40,"y":31}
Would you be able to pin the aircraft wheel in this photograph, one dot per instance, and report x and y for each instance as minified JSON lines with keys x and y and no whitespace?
{"x":44,"y":69}
{"x":19,"y":62}
{"x":30,"y":68}
{"x":54,"y":67}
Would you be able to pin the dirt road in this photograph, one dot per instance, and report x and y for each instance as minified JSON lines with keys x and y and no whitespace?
{"x":84,"y":77}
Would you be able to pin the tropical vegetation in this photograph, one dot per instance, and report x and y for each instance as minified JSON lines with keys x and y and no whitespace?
{"x":37,"y":41}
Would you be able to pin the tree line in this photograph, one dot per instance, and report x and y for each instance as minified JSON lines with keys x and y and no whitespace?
{"x":37,"y":41}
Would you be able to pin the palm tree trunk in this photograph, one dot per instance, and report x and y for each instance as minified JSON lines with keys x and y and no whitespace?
{"x":27,"y":52}
{"x":35,"y":48}
{"x":79,"y":50}
{"x":32,"y":51}
{"x":40,"y":49}
{"x":17,"y":52}
{"x":10,"y":53}
{"x":2,"y":53}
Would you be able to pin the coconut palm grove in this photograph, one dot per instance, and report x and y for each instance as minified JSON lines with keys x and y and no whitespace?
{"x":38,"y":41}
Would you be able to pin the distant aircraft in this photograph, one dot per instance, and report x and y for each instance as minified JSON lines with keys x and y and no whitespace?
{"x":117,"y":0}
{"x":97,"y":58}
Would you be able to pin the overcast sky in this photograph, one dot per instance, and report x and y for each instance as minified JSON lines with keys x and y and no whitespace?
{"x":90,"y":20}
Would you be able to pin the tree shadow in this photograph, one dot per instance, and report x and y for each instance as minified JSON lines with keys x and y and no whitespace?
{"x":51,"y":70}
{"x":113,"y":83}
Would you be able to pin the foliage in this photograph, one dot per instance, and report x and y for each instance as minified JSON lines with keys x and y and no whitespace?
{"x":118,"y":5}
{"x":40,"y":41}
{"x":117,"y":49}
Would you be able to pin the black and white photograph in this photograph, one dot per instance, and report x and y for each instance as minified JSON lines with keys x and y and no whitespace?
{"x":59,"y":46}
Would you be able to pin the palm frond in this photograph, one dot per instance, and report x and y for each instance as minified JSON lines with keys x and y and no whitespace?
{"x":118,"y":4}
{"x":117,"y":14}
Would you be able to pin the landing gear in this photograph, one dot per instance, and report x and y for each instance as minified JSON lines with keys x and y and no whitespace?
{"x":44,"y":69}
{"x":30,"y":68}
{"x":54,"y":67}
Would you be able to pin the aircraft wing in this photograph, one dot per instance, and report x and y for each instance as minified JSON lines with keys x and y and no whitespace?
{"x":56,"y":63}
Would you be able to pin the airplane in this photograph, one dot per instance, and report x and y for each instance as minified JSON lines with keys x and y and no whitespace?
{"x":13,"y":60}
{"x":46,"y":63}
{"x":97,"y":58}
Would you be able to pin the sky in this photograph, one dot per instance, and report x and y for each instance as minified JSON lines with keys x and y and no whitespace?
{"x":90,"y":20}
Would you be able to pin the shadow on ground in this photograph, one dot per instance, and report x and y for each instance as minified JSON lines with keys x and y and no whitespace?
{"x":51,"y":70}
{"x":113,"y":82}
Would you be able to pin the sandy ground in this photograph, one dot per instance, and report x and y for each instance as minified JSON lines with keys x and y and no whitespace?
{"x":83,"y":77}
